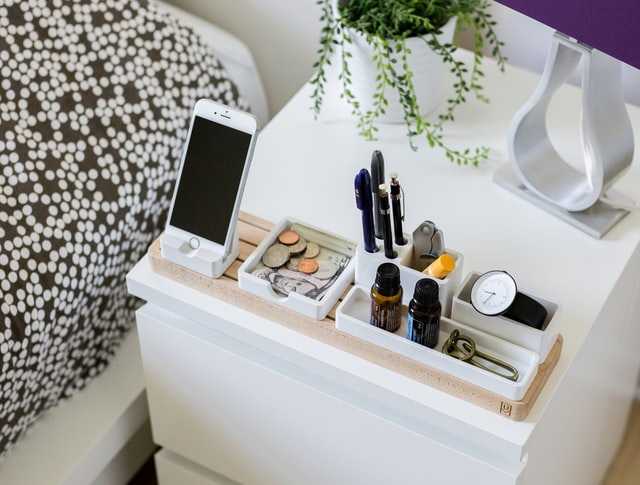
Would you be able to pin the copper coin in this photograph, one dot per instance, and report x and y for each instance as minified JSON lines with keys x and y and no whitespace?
{"x":308,"y":266}
{"x":312,"y":250}
{"x":289,"y":237}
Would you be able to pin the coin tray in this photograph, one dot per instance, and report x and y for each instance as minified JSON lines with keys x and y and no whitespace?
{"x":367,"y":266}
{"x":352,"y":317}
{"x":317,"y":309}
{"x":538,"y":341}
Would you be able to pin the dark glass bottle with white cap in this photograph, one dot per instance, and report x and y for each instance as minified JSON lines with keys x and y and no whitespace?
{"x":423,"y":320}
{"x":386,"y":298}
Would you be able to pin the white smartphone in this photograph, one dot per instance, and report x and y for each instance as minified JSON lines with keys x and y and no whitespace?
{"x":211,"y":178}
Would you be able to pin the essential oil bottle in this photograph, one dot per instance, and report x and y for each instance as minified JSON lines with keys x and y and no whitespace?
{"x":386,"y":298}
{"x":423,"y":321}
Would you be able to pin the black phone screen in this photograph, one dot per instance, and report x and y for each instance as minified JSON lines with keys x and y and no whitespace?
{"x":210,"y":179}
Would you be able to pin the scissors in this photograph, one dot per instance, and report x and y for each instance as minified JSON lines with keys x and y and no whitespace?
{"x":463,"y":348}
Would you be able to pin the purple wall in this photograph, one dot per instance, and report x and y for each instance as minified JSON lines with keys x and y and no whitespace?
{"x":612,"y":26}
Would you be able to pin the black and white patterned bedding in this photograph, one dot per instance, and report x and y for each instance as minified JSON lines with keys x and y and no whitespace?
{"x":95,"y":99}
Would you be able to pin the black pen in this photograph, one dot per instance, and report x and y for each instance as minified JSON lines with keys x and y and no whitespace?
{"x":377,"y":179}
{"x":386,"y":222}
{"x":398,"y":213}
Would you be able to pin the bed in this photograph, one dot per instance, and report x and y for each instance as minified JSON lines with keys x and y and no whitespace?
{"x":101,"y":434}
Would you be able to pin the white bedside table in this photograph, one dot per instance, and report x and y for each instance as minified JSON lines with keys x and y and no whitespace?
{"x":238,"y":396}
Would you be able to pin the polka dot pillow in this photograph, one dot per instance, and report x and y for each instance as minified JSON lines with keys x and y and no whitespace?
{"x":95,"y":99}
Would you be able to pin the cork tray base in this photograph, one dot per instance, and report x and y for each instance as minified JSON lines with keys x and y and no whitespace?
{"x":252,"y":230}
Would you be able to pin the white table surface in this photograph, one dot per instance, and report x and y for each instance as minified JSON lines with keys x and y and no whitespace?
{"x":305,"y":169}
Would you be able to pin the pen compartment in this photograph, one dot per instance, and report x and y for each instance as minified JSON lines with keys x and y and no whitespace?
{"x":352,"y":317}
{"x":367,"y":265}
{"x":538,"y":341}
{"x":270,"y":284}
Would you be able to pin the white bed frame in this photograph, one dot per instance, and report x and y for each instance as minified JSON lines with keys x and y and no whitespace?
{"x":102,"y":435}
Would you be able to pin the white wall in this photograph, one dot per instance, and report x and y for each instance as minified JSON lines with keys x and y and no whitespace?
{"x":283,"y":36}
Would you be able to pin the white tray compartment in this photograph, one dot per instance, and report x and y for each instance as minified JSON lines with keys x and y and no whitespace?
{"x":352,"y":317}
{"x":539,"y":341}
{"x":317,"y":309}
{"x":367,"y":265}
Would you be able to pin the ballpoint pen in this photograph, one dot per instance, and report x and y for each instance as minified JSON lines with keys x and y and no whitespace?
{"x":386,"y":222}
{"x":398,"y":213}
{"x":377,"y":178}
{"x":364,"y":202}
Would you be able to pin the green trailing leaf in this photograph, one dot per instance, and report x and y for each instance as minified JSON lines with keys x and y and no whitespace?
{"x":386,"y":25}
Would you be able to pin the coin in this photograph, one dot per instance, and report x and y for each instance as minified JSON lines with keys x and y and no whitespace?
{"x":299,"y":247}
{"x":312,"y":250}
{"x":289,"y":237}
{"x":276,"y":256}
{"x":293,"y":263}
{"x":308,"y":266}
{"x":326,"y":270}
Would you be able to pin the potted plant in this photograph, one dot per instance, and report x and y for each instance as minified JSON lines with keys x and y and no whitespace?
{"x":391,"y":57}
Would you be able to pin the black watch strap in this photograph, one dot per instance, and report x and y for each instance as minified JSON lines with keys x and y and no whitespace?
{"x":526,"y":310}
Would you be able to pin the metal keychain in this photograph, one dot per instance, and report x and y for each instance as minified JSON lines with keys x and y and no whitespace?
{"x":463,"y":348}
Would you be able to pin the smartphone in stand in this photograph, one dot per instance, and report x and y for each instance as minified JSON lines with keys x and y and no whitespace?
{"x":201,"y":231}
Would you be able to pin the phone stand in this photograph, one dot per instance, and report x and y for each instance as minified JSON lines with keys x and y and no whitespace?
{"x":540,"y":175}
{"x":209,"y":263}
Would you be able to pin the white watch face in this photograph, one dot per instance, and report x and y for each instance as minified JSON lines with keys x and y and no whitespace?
{"x":493,"y":293}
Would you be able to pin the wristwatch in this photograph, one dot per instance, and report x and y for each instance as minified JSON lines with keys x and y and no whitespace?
{"x":496,"y":293}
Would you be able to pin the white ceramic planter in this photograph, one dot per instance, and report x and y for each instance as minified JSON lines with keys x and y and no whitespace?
{"x":429,"y":78}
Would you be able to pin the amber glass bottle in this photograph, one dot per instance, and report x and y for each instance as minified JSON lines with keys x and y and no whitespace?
{"x":386,"y":298}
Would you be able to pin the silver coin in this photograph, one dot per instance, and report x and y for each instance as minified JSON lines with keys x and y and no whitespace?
{"x":299,"y":247}
{"x":276,"y":256}
{"x":326,"y":270}
{"x":293,"y":263}
{"x":313,"y":250}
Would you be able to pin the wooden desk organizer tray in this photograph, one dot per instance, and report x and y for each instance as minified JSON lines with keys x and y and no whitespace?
{"x":252,"y":231}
